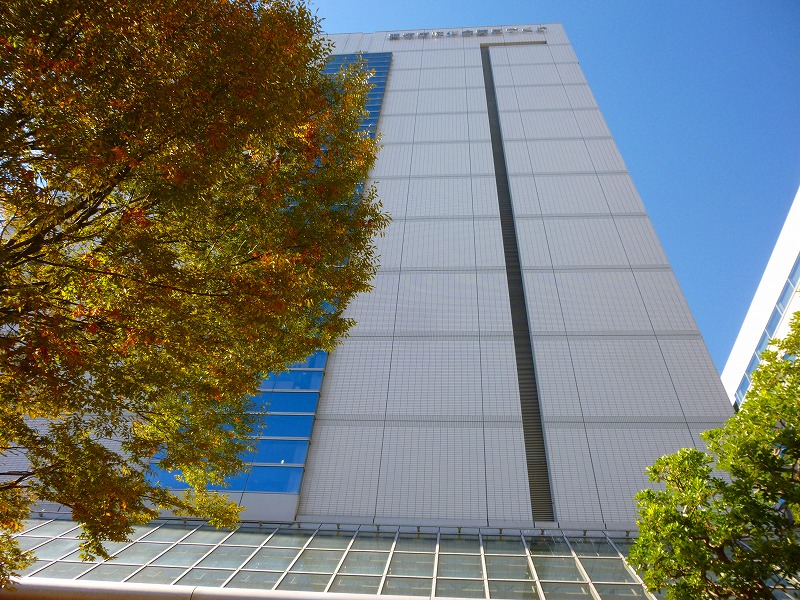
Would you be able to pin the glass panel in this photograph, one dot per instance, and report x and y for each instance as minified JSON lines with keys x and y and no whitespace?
{"x":331,"y":539}
{"x":297,"y":426}
{"x":294,"y":402}
{"x":411,"y":564}
{"x":235,"y":483}
{"x":56,"y":548}
{"x":37,"y":564}
{"x":592,"y":547}
{"x":467,"y":544}
{"x":304,"y":582}
{"x":459,"y":588}
{"x":268,"y":383}
{"x":416,"y":543}
{"x":54,"y":528}
{"x":794,"y":276}
{"x":619,"y":591}
{"x":364,"y":563}
{"x":373,"y":541}
{"x":157,"y":575}
{"x":110,"y":572}
{"x":557,"y":569}
{"x":207,"y":535}
{"x":606,"y":569}
{"x":785,"y":297}
{"x":318,"y":561}
{"x":513,"y":590}
{"x":772,"y":324}
{"x":253,"y":580}
{"x":290,"y":539}
{"x":76,"y":557}
{"x":182,"y":555}
{"x":226,"y":557}
{"x":743,"y":387}
{"x":205,"y":577}
{"x":299,"y":380}
{"x":460,"y":565}
{"x":275,"y":479}
{"x":169,"y":533}
{"x":508,"y":567}
{"x":248,"y":536}
{"x":142,"y":530}
{"x":355,"y":585}
{"x":315,"y":361}
{"x":623,"y":545}
{"x":32,"y":524}
{"x":64,"y":570}
{"x":166,"y":479}
{"x":753,"y":364}
{"x":407,"y":586}
{"x":503,"y":545}
{"x":549,"y":546}
{"x":763,"y":343}
{"x":140,"y":553}
{"x":565,"y":591}
{"x":277,"y":559}
{"x":27,"y":542}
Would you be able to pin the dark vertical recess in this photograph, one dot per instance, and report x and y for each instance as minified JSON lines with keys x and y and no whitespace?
{"x":536,"y":455}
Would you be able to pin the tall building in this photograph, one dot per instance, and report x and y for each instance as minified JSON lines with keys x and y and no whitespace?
{"x":525,"y":354}
{"x":774,"y":303}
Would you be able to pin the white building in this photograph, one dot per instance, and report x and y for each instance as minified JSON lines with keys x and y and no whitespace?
{"x":774,"y":303}
{"x":525,"y":355}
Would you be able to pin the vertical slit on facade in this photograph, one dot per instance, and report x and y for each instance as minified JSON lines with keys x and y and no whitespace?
{"x":533,"y":432}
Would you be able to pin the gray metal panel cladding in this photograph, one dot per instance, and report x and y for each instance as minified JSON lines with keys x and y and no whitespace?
{"x":533,"y":432}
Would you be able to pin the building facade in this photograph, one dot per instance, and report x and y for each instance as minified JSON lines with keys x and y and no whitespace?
{"x":774,"y":303}
{"x":525,"y":354}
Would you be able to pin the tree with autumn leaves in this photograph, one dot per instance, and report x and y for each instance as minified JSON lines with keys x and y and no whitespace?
{"x":181,"y":212}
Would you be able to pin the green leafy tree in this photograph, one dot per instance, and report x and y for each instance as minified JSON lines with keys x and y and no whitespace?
{"x":180,"y":214}
{"x":723,"y":524}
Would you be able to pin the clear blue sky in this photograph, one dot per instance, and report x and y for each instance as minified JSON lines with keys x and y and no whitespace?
{"x":703,"y":100}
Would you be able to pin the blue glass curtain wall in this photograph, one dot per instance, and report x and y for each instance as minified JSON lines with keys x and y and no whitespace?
{"x":288,"y":400}
{"x":378,"y":64}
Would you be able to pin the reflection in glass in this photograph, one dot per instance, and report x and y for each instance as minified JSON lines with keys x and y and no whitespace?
{"x":407,"y":586}
{"x":606,"y":569}
{"x":275,"y":479}
{"x":64,"y":570}
{"x":317,"y":561}
{"x":288,"y":426}
{"x":226,"y":557}
{"x":157,"y":575}
{"x":513,"y":590}
{"x":503,"y":545}
{"x":364,"y":563}
{"x":253,"y":580}
{"x":459,"y":588}
{"x":557,"y":569}
{"x":304,"y":582}
{"x":549,"y":546}
{"x":565,"y":591}
{"x":416,"y":543}
{"x":507,"y":567}
{"x":355,"y":585}
{"x":273,"y":559}
{"x":459,"y":565}
{"x":205,"y":577}
{"x":110,"y":572}
{"x":411,"y":564}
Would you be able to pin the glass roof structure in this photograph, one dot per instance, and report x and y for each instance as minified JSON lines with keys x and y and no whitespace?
{"x":406,"y":561}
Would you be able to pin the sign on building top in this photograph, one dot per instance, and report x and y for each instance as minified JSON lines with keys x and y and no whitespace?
{"x":410,"y":35}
